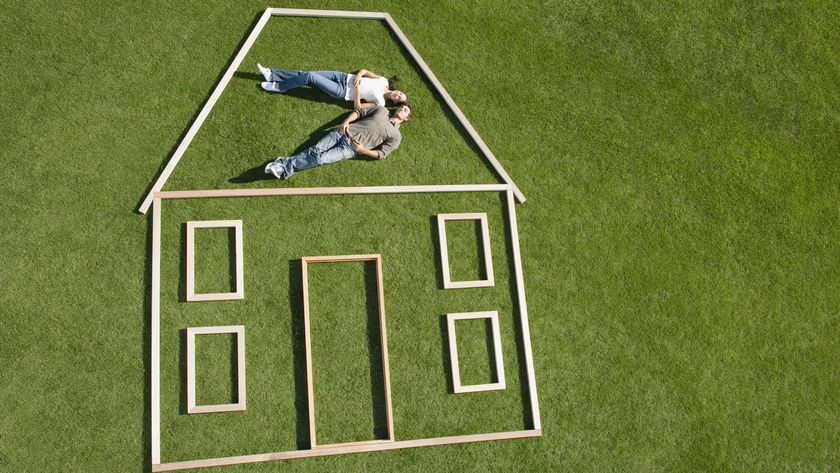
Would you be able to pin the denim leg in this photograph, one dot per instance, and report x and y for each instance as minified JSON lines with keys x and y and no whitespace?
{"x":327,"y":83}
{"x":283,"y":74}
{"x":329,"y":149}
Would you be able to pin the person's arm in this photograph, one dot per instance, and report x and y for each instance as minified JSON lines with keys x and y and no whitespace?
{"x":363,"y":73}
{"x":358,"y":148}
{"x":353,"y":116}
{"x":389,"y":145}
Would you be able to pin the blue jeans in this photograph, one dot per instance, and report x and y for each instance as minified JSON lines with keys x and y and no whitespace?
{"x":330,"y":149}
{"x":333,"y":83}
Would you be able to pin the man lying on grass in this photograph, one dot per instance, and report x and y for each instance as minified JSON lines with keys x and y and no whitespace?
{"x":370,"y":132}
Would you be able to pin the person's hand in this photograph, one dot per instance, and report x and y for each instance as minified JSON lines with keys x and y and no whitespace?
{"x":357,"y":147}
{"x":357,"y":81}
{"x":343,"y":128}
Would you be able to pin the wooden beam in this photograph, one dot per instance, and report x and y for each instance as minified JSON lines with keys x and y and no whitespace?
{"x":383,"y":341}
{"x":523,"y":314}
{"x":310,"y":392}
{"x":208,"y":106}
{"x":321,"y":452}
{"x":369,"y":15}
{"x":209,"y":193}
{"x":155,"y":340}
{"x":454,"y":107}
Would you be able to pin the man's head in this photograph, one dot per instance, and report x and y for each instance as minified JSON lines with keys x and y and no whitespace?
{"x":403,"y":112}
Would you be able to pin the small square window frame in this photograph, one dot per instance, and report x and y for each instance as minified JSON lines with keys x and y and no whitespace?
{"x":239,"y":292}
{"x":239,"y":405}
{"x":457,"y":387}
{"x":448,"y":283}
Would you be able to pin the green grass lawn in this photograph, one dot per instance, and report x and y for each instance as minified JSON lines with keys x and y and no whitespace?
{"x":680,"y":240}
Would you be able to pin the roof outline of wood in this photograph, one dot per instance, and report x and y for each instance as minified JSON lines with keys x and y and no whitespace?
{"x":246,"y":46}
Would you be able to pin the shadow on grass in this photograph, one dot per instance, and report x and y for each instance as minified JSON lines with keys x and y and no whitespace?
{"x":433,"y":231}
{"x":446,"y":359}
{"x":234,"y":370}
{"x":299,"y":355}
{"x":182,"y":371}
{"x":379,"y":408}
{"x":182,"y":265}
{"x":257,"y":173}
{"x":146,"y":444}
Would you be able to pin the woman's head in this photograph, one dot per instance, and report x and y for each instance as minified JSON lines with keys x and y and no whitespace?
{"x":394,"y":95}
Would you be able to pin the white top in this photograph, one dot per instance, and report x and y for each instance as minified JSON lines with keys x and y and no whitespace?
{"x":373,"y":90}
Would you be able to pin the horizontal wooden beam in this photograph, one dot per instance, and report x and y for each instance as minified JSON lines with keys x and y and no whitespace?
{"x":371,"y":15}
{"x":331,"y":191}
{"x":321,"y":452}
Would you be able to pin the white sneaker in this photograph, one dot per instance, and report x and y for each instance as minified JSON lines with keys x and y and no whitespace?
{"x":266,"y":72}
{"x":268,"y":167}
{"x":270,"y":86}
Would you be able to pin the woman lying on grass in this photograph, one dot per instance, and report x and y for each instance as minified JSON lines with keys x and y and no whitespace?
{"x":374,"y":90}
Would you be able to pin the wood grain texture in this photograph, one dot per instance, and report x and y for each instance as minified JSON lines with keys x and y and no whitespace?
{"x":321,"y":452}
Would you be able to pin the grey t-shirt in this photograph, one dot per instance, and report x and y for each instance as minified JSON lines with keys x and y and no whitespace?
{"x":373,"y":129}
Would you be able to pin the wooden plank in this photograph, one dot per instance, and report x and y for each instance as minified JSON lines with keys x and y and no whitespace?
{"x":155,"y":335}
{"x":328,"y":13}
{"x":383,"y":334}
{"x":523,"y":314}
{"x":457,"y":387}
{"x":320,"y":452}
{"x":353,"y":444}
{"x":205,"y":111}
{"x":310,"y":392}
{"x":211,"y":193}
{"x":240,"y":404}
{"x":340,"y":258}
{"x":454,"y":107}
{"x":239,"y":291}
{"x":448,"y":283}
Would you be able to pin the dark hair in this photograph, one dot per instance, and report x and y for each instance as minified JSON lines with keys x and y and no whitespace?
{"x":392,"y":82}
{"x":410,"y":108}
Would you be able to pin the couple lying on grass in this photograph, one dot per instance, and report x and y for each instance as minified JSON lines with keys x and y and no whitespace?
{"x":368,"y":130}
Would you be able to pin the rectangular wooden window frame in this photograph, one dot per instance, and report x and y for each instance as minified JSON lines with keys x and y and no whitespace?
{"x":239,"y":292}
{"x":457,"y":387}
{"x":448,"y":283}
{"x":239,"y":331}
{"x":380,"y":298}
